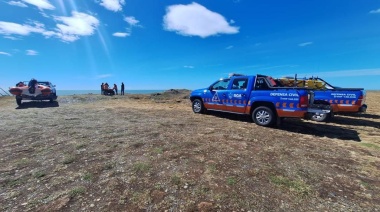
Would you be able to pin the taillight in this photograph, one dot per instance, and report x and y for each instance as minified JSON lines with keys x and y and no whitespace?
{"x":359,"y":102}
{"x":304,"y":101}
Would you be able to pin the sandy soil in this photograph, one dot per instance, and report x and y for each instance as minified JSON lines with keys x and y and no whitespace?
{"x":152,"y":153}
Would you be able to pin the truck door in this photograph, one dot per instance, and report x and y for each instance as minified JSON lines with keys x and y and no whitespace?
{"x":215,"y":96}
{"x":237,"y":96}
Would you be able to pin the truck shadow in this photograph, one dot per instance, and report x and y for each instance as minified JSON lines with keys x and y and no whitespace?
{"x":37,"y":104}
{"x":319,"y":129}
{"x":360,"y":115}
{"x":344,"y":120}
{"x":296,"y":125}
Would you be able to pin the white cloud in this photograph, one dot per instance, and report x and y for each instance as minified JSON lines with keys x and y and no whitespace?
{"x":41,"y":4}
{"x":229,"y":47}
{"x":31,"y":52}
{"x":121,"y":34}
{"x":189,"y":67}
{"x":70,"y":29}
{"x":113,"y":5}
{"x":305,"y":44}
{"x":17,"y":3}
{"x":5,"y":53}
{"x":9,"y":28}
{"x":103,"y":76}
{"x":79,"y":24}
{"x":196,"y":20}
{"x":375,"y":11}
{"x":131,"y":20}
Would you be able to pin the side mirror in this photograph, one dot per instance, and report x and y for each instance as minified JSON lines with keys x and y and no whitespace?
{"x":210,"y":88}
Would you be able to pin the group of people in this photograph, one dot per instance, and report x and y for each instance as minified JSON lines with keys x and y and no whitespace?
{"x":106,"y":90}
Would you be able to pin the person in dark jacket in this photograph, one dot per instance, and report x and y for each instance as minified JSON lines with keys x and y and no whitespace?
{"x":122,"y":89}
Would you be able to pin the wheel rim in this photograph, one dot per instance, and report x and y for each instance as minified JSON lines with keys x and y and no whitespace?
{"x":197,"y":107}
{"x":319,"y":116}
{"x":263,"y":117}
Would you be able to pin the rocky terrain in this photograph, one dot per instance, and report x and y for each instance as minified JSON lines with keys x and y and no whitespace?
{"x":152,"y":153}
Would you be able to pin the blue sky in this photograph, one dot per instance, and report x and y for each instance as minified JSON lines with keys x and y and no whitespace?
{"x":152,"y":44}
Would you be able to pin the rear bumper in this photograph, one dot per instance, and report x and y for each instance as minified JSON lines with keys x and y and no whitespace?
{"x":319,"y":108}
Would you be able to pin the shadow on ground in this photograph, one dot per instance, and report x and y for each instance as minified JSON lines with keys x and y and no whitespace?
{"x":361,"y":115}
{"x":307,"y":128}
{"x":37,"y":104}
{"x":344,"y":120}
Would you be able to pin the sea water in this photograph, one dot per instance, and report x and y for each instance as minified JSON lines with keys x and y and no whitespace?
{"x":78,"y":92}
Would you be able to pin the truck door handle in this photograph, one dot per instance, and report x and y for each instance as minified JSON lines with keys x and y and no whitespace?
{"x":243,"y":94}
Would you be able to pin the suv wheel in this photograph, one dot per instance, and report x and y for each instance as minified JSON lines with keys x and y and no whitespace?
{"x":18,"y":101}
{"x":198,"y":106}
{"x":263,"y":116}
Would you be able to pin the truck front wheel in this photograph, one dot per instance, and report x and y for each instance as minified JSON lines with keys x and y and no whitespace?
{"x":198,"y":106}
{"x":18,"y":101}
{"x":263,"y":116}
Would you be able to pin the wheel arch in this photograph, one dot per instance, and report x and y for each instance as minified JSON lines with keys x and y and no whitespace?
{"x":257,"y":104}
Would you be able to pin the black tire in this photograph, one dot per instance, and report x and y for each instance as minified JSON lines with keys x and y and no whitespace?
{"x":198,"y":106}
{"x":263,"y":116}
{"x":325,"y":117}
{"x":18,"y":101}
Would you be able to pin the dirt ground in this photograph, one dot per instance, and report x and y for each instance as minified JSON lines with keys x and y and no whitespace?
{"x":152,"y":153}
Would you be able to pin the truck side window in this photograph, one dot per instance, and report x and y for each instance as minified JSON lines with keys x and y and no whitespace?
{"x":261,"y":84}
{"x":221,"y":85}
{"x":239,"y":84}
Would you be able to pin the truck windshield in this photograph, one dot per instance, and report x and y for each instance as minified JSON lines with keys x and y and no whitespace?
{"x":221,"y":85}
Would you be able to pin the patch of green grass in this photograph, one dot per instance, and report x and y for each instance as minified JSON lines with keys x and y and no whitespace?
{"x":39,"y":174}
{"x":69,"y":159}
{"x":175,"y":179}
{"x":297,"y":186}
{"x":77,"y":191}
{"x":80,"y":146}
{"x":211,"y":168}
{"x":22,"y":162}
{"x":365,"y":184}
{"x":15,"y":182}
{"x":371,"y":146}
{"x":141,"y":167}
{"x":231,"y":181}
{"x":108,"y":165}
{"x":158,"y":150}
{"x":88,"y":176}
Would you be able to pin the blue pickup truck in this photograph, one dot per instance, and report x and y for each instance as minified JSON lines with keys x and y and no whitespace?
{"x":258,"y":96}
{"x":341,"y":100}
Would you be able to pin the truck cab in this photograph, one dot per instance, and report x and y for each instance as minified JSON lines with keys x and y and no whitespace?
{"x":258,"y":96}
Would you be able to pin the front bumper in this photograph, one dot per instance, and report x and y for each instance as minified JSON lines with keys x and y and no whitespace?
{"x":37,"y":97}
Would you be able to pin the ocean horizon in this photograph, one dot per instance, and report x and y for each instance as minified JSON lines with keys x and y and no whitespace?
{"x":78,"y":92}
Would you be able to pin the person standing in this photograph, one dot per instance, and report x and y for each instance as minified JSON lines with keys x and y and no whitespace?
{"x":115,"y":88}
{"x":122,"y":89}
{"x":102,"y":88}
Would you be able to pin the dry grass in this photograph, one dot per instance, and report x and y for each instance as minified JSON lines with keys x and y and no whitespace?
{"x":141,"y":152}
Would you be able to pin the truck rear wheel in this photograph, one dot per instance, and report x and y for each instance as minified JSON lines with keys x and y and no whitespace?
{"x":320,"y":117}
{"x":263,"y":116}
{"x":198,"y":106}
